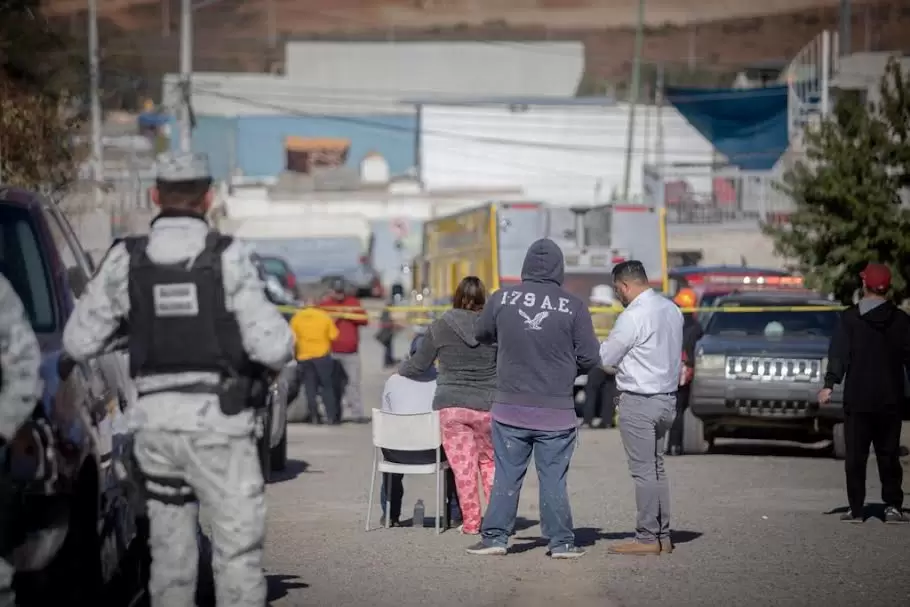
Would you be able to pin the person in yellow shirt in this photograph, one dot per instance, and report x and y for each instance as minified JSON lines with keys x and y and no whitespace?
{"x":315,"y":331}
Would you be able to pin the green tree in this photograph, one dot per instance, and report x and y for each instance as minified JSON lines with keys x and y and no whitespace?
{"x":848,"y":193}
{"x":37,"y":119}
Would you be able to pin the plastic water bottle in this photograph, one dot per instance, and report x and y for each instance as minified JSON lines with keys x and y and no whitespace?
{"x":419,"y":512}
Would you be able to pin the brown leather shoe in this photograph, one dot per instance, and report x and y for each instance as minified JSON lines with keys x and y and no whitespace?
{"x":635,"y":548}
{"x":666,"y":545}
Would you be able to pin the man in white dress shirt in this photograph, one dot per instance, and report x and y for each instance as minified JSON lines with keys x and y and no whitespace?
{"x":644,"y":345}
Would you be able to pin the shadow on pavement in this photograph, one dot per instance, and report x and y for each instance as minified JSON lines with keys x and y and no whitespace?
{"x":876,"y":511}
{"x":588,"y":536}
{"x":279,"y":585}
{"x":522,"y":523}
{"x":293,"y":469}
{"x":771,"y":449}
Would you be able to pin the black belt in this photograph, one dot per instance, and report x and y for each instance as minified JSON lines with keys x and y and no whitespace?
{"x":643,"y":395}
{"x":198,"y":388}
{"x":170,"y":491}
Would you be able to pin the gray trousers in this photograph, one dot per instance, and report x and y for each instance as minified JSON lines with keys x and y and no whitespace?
{"x":222,"y":472}
{"x":351,"y":364}
{"x":643,"y":424}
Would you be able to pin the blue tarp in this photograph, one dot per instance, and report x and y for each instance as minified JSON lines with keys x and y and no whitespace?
{"x":748,"y":126}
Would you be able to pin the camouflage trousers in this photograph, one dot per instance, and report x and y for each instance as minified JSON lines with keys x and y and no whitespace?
{"x":220,"y":473}
{"x":7,"y":598}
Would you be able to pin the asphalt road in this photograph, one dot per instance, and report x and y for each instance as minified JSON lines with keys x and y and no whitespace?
{"x":755,"y":526}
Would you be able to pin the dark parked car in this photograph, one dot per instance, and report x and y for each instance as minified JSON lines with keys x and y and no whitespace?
{"x":279,"y":268}
{"x":757,"y":373}
{"x":76,"y":520}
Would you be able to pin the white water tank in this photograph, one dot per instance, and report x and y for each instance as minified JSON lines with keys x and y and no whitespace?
{"x":374,"y":169}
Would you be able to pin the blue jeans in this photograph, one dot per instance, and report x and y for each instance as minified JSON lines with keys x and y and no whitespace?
{"x":512,"y":449}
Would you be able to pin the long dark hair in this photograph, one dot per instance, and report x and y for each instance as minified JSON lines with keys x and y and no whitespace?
{"x":470,"y":294}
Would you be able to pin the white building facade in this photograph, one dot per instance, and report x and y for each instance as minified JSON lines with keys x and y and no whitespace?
{"x":561,"y":151}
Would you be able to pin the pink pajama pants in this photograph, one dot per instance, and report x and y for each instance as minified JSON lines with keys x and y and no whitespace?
{"x":467,"y":439}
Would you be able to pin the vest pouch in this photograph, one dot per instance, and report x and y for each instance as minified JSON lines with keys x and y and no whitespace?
{"x":235,"y":394}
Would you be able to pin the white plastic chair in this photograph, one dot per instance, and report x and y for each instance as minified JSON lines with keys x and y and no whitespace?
{"x":419,"y":432}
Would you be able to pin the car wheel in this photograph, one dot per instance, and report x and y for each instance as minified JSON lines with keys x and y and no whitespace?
{"x":694,"y":442}
{"x":838,"y":441}
{"x":77,"y":572}
{"x":279,"y":455}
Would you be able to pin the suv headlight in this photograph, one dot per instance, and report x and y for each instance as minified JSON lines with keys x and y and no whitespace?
{"x":710,"y":363}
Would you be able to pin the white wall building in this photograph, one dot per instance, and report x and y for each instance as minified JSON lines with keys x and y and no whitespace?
{"x":558,"y":150}
{"x":373,"y":78}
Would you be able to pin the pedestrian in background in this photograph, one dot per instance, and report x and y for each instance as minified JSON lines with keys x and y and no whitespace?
{"x":645,"y":346}
{"x":388,"y":328}
{"x":200,"y":328}
{"x":692,"y":332}
{"x":600,"y":386}
{"x":544,"y":336}
{"x":871,"y":346}
{"x":349,"y":316}
{"x":20,"y":355}
{"x":412,"y":395}
{"x":314,"y":331}
{"x":464,"y":394}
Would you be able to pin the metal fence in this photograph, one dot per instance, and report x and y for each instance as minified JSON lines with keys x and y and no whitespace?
{"x":697,"y":193}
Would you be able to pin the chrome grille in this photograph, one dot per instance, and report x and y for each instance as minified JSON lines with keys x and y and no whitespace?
{"x":770,"y":408}
{"x":773,"y":369}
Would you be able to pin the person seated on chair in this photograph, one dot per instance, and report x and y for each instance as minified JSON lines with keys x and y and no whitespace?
{"x":411,"y":396}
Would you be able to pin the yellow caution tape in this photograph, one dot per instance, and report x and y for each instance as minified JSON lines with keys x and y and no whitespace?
{"x":607,"y":310}
{"x":423,"y":312}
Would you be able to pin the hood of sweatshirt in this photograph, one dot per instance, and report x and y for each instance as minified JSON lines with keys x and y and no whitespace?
{"x":544,"y":263}
{"x":462,"y":322}
{"x":877,"y":312}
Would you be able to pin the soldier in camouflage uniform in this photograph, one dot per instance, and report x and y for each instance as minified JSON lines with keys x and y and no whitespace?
{"x":193,"y":444}
{"x":21,"y":388}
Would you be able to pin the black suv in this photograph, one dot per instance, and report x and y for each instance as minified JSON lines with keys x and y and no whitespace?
{"x":75,"y":519}
{"x":758,"y":372}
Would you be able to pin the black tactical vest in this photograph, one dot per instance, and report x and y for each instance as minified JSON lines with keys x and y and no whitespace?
{"x":178,"y":321}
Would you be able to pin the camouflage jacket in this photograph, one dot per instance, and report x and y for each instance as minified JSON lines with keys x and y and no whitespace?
{"x":106,"y":303}
{"x":20,"y":357}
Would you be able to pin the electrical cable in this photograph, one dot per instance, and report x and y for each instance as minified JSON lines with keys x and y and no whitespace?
{"x":373,"y":123}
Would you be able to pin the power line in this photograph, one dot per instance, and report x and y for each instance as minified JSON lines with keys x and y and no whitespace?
{"x":372,"y":123}
{"x":436,"y":97}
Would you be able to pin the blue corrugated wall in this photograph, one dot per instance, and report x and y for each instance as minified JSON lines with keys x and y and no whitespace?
{"x":258,"y":141}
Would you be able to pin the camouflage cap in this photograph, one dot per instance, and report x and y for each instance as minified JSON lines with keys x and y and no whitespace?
{"x":181,"y":166}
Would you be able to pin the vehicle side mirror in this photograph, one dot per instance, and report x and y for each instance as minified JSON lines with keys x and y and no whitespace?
{"x":77,"y":281}
{"x":65,"y":366}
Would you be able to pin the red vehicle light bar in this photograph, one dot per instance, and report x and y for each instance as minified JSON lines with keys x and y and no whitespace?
{"x":752,"y":281}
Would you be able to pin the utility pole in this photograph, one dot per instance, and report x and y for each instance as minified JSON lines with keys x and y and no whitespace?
{"x":94,"y":84}
{"x":186,"y":71}
{"x":846,"y":22}
{"x":659,"y":101}
{"x":165,"y":18}
{"x":271,"y":24}
{"x":633,"y":98}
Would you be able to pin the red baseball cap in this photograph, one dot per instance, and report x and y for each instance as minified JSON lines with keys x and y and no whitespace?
{"x":876,"y":277}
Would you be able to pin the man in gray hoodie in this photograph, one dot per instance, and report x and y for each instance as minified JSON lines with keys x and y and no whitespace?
{"x":545,"y":337}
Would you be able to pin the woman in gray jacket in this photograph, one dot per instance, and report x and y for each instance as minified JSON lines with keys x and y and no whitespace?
{"x":464,"y":393}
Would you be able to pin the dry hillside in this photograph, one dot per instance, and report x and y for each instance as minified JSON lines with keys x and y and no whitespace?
{"x":711,"y":34}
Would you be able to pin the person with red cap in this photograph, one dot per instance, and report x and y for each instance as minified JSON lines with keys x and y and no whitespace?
{"x":871,"y":346}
